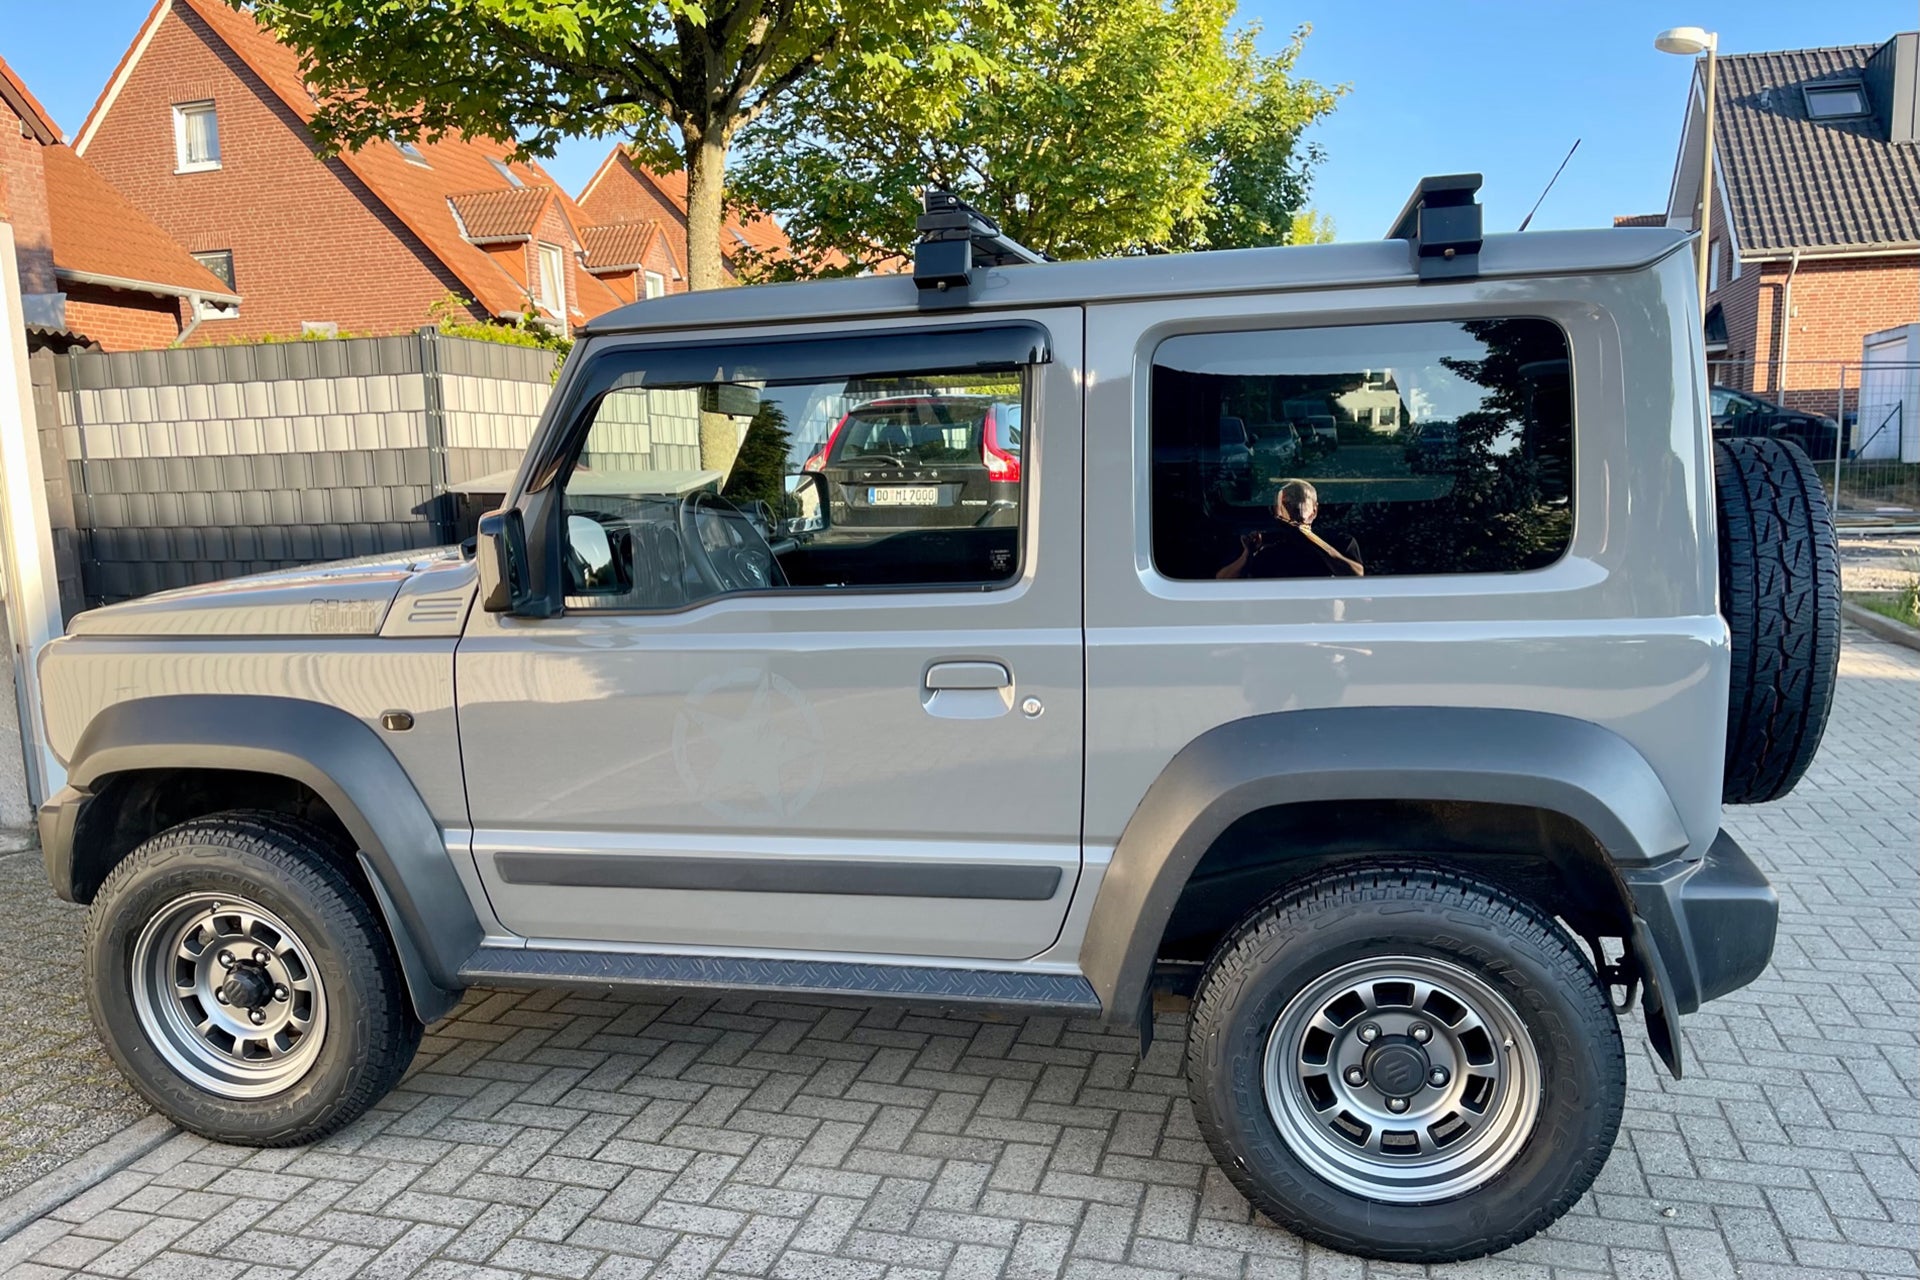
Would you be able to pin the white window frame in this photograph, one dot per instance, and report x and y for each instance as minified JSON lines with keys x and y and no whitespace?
{"x":654,"y":285}
{"x":1713,"y":265}
{"x":550,"y":294}
{"x":181,"y":112}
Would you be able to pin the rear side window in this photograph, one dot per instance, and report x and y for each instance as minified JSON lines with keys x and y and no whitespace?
{"x":918,"y":428}
{"x":1365,"y":450}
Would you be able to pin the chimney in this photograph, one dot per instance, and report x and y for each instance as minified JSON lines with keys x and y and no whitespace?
{"x":1893,"y":83}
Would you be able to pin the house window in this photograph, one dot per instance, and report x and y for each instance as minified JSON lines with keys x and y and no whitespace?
{"x":553,"y":280}
{"x":220,"y":262}
{"x":1836,"y":101}
{"x":1713,"y":265}
{"x":500,"y":167}
{"x":196,"y":138}
{"x":656,"y":284}
{"x":1251,"y":478}
{"x":411,"y":152}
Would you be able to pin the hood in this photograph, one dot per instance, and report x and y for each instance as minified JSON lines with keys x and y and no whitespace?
{"x":341,"y":598}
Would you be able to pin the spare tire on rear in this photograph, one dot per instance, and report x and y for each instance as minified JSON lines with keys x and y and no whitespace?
{"x":1780,"y":595}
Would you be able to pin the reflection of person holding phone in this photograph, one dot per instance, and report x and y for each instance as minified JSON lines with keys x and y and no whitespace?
{"x":1294,"y":550}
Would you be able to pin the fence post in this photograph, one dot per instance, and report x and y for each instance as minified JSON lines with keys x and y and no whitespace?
{"x":443,"y":521}
{"x":1839,"y":436}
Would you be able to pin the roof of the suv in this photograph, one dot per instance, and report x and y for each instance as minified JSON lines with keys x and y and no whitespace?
{"x":1536,"y":253}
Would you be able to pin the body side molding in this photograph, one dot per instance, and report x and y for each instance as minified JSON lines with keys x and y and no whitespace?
{"x":996,"y":988}
{"x":346,"y":764}
{"x":1472,"y":755}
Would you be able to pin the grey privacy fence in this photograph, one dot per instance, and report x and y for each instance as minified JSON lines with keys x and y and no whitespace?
{"x":193,"y":465}
{"x":1870,"y":464}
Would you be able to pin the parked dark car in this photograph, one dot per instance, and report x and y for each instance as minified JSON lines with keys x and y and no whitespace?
{"x":939,"y":461}
{"x":1740,"y":413}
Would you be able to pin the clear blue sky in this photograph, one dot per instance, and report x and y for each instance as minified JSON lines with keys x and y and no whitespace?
{"x":1498,"y":86}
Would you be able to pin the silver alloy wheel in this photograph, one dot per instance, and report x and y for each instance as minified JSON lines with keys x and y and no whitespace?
{"x":228,"y":995}
{"x":1402,"y":1079}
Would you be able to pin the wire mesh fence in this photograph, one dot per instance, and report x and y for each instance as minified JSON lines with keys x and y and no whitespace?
{"x":1858,"y":421}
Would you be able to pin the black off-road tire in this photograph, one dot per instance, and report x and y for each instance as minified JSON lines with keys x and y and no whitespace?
{"x":1780,"y":595}
{"x":284,"y":865}
{"x":1294,"y":942}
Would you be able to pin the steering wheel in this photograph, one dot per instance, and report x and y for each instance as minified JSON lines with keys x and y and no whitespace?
{"x":724,"y":548}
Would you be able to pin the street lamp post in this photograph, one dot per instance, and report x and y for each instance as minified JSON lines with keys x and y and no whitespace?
{"x":1693,"y":41}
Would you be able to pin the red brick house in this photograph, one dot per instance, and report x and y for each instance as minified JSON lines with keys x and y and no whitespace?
{"x":622,"y":191}
{"x":1815,"y":227}
{"x":203,"y":126}
{"x":93,"y":269}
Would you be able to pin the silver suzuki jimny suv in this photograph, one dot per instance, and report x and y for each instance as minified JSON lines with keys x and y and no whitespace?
{"x":1404,"y":760}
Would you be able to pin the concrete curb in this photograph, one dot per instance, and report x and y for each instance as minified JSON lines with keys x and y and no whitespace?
{"x":1880,"y":624}
{"x":82,"y":1173}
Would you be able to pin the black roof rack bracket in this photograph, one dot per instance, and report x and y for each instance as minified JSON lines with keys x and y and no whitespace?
{"x":1441,"y":225}
{"x":955,"y":238}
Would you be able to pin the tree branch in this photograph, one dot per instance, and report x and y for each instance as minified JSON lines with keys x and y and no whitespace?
{"x":770,"y":93}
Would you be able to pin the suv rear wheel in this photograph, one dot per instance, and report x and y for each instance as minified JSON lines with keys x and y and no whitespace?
{"x":1406,"y":1064}
{"x":244,"y":985}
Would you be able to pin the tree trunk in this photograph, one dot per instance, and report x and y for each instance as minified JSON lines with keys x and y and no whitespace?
{"x":706,"y":180}
{"x":706,"y":183}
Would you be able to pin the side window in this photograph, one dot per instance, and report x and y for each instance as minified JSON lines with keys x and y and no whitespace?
{"x":1426,"y":448}
{"x":684,"y":493}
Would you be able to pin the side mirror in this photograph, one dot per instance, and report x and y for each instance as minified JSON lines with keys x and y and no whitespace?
{"x":500,"y":547}
{"x":596,"y":566}
{"x":805,"y":510}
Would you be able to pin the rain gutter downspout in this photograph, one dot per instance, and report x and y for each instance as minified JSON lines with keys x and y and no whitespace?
{"x":193,"y":305}
{"x":1786,"y":329}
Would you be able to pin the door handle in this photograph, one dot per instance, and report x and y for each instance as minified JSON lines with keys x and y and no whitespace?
{"x":968,"y":675}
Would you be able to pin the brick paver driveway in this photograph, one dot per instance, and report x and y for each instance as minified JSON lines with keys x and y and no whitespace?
{"x":566,"y":1136}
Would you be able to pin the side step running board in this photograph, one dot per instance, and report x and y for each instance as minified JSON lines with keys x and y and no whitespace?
{"x":541,"y":966}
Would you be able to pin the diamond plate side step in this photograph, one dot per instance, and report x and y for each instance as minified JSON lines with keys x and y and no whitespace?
{"x":539,"y":967}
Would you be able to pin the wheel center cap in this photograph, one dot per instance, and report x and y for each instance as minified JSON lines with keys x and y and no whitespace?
{"x":1397,"y":1067}
{"x":247,"y":986}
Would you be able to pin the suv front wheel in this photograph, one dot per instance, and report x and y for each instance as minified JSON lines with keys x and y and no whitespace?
{"x":1406,"y":1064}
{"x":243,"y":984}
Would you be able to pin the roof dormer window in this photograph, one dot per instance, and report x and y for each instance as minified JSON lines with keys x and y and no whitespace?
{"x":1837,"y":100}
{"x":411,"y":152}
{"x":513,"y":179}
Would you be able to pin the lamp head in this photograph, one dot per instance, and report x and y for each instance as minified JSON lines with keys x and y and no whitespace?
{"x":1685,"y":40}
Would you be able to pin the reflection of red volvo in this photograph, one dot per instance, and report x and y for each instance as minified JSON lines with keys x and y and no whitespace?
{"x":943,"y":461}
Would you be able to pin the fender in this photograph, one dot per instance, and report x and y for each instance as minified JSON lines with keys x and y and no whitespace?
{"x":343,"y":760}
{"x":1578,"y":769}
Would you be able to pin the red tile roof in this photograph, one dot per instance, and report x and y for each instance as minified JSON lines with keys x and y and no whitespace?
{"x":96,"y":232}
{"x":417,"y":194}
{"x":1640,"y":220}
{"x":509,"y":213}
{"x":27,"y":107}
{"x":619,"y":246}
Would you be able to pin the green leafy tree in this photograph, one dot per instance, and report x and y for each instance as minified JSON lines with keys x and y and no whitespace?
{"x":680,"y":77}
{"x":1310,"y":226}
{"x":760,"y":468}
{"x":1086,"y":128}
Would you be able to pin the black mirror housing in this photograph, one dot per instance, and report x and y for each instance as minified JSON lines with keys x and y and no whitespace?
{"x":500,"y":547}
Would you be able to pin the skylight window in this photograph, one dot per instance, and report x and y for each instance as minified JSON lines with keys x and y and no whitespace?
{"x":1836,"y":101}
{"x":500,"y":166}
{"x":411,"y":152}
